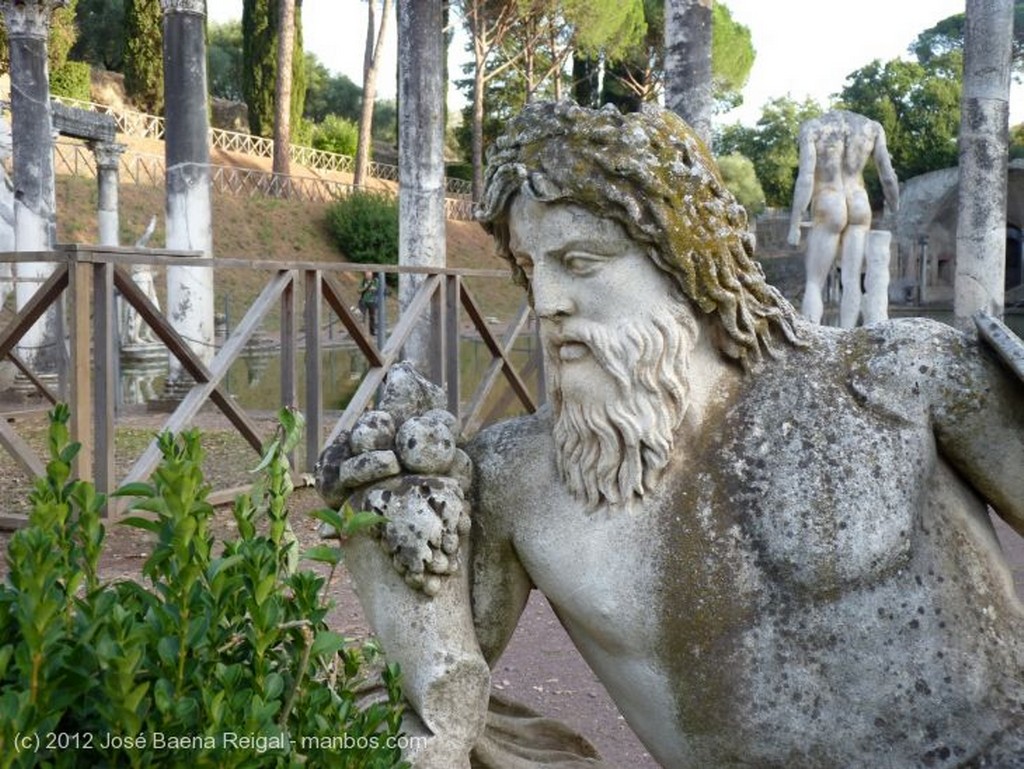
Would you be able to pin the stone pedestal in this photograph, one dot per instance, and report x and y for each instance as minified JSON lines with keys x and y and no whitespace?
{"x":875,"y":303}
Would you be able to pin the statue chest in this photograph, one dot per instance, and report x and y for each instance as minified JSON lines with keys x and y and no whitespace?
{"x":826,"y":492}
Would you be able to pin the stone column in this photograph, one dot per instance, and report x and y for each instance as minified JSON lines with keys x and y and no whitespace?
{"x":421,"y":228}
{"x":108,"y":161}
{"x":188,"y":206}
{"x":28,"y":28}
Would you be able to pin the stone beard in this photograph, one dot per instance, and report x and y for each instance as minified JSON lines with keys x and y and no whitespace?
{"x":611,"y":443}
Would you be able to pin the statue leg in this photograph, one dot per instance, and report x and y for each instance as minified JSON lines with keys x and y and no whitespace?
{"x":822,"y":244}
{"x":852,"y":260}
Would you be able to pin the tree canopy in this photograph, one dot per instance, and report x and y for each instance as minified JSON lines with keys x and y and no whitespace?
{"x":101,"y":33}
{"x":224,"y":60}
{"x":772,"y":145}
{"x":948,"y":37}
{"x":918,"y":105}
{"x":143,"y":54}
{"x":259,"y":56}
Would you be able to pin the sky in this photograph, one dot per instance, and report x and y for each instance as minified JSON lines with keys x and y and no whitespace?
{"x":804,"y":47}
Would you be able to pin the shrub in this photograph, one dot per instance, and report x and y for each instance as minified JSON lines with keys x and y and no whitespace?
{"x":365,"y":227}
{"x":226,"y":650}
{"x":336,"y":134}
{"x":71,"y":79}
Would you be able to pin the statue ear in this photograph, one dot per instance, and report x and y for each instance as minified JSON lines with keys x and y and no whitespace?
{"x":542,"y":188}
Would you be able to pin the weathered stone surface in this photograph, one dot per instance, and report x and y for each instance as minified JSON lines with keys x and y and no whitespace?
{"x":83,"y":124}
{"x":769,"y":539}
{"x":425,"y":445}
{"x":426,"y":516}
{"x":406,"y":393}
{"x":373,"y":431}
{"x":326,"y":471}
{"x":462,"y":470}
{"x":368,"y":467}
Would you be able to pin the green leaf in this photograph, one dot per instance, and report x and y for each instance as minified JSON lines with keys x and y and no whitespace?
{"x":330,"y":517}
{"x":323,"y":554}
{"x":273,"y":686}
{"x":357,"y":523}
{"x":327,"y":642}
{"x":136,"y":489}
{"x":141,"y":523}
{"x":167,"y":647}
{"x":269,"y":455}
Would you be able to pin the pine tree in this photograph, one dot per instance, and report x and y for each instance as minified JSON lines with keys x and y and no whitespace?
{"x":259,"y":56}
{"x":143,"y":54}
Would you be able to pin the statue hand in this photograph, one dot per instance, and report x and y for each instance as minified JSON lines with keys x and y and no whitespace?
{"x":794,"y":235}
{"x":402,"y":462}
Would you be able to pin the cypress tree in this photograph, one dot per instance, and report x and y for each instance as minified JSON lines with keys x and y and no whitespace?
{"x":259,"y":56}
{"x":143,"y":54}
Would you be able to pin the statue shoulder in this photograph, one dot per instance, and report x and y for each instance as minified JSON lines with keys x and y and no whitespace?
{"x":916,"y":366}
{"x":510,"y":446}
{"x":510,"y":458}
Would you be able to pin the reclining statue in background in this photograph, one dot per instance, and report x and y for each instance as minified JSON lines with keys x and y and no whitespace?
{"x":769,"y":539}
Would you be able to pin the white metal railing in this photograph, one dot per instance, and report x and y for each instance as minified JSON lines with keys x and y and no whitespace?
{"x":76,"y":159}
{"x":144,"y":126}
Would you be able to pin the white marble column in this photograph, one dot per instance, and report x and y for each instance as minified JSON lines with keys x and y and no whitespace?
{"x":188,"y":206}
{"x":28,"y":27}
{"x":877,"y":255}
{"x":108,"y":161}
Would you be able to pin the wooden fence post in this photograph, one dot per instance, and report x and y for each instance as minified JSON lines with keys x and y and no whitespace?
{"x":80,"y":396}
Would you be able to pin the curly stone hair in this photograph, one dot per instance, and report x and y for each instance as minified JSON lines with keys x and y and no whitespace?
{"x":649,"y":172}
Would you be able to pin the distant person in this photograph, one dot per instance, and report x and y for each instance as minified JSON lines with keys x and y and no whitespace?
{"x":369,"y":287}
{"x":834,"y":149}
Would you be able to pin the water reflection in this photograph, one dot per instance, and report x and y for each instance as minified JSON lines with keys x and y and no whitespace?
{"x":254,"y":380}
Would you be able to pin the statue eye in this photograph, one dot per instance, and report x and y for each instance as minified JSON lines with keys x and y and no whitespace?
{"x":582,"y":264}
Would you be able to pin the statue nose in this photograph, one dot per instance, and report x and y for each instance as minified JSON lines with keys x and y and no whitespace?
{"x":552,"y":295}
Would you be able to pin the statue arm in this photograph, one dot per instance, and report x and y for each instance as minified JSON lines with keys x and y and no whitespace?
{"x":500,"y":587}
{"x":499,"y":583}
{"x":979,"y":427}
{"x":886,"y":174}
{"x":804,"y":187}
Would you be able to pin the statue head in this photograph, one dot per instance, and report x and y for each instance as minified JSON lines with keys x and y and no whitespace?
{"x":649,"y":172}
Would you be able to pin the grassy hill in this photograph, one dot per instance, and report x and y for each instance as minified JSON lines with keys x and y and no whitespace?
{"x":266,"y":229}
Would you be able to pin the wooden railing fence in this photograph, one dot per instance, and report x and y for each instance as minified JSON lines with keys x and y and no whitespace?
{"x":303,"y":292}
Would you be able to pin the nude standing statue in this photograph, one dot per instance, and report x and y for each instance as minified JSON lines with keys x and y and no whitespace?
{"x":768,"y":538}
{"x":834,"y":149}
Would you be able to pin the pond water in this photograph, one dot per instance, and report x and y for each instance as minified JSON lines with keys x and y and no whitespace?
{"x":254,"y":379}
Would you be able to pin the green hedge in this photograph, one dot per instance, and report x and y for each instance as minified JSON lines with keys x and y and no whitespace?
{"x":71,"y":80}
{"x":223,"y":659}
{"x":365,"y":227}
